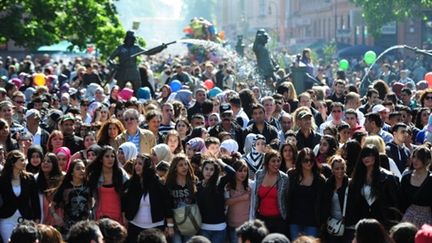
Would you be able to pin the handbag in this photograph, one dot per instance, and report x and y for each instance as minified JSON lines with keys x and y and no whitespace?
{"x":336,"y":227}
{"x":188,"y":219}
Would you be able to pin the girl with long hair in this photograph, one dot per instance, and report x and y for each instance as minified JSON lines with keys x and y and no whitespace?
{"x":106,"y":181}
{"x":334,"y":195}
{"x":304,"y":203}
{"x":211,"y":199}
{"x":109,"y":131}
{"x":269,"y":201}
{"x":146,"y":201}
{"x":416,"y":185}
{"x":19,"y":194}
{"x":48,"y":179}
{"x":373,"y":190}
{"x":181,"y":184}
{"x":238,"y":195}
{"x":173,"y":140}
{"x":72,"y":197}
{"x":350,"y":152}
{"x":288,"y":153}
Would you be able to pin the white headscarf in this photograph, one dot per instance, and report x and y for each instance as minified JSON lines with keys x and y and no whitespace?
{"x":129,"y":150}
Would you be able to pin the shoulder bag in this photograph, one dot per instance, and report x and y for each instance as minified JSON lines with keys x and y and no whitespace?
{"x":188,"y":219}
{"x":336,"y":227}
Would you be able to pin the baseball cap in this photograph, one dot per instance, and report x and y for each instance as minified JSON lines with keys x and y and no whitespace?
{"x":32,"y":112}
{"x":303,"y":114}
{"x":225,"y":107}
{"x":379,"y":108}
{"x":67,"y":117}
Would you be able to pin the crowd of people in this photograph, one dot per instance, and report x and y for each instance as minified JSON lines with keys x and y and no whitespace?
{"x":82,"y":161}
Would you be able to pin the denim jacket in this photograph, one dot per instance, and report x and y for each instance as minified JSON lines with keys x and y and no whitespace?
{"x":282,"y":189}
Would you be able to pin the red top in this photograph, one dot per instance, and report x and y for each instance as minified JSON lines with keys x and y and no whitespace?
{"x":268,"y":201}
{"x":109,"y":204}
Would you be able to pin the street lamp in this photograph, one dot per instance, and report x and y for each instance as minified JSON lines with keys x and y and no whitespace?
{"x":275,"y":7}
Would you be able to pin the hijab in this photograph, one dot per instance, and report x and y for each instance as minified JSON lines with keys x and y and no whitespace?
{"x":129,"y":150}
{"x":66,"y":152}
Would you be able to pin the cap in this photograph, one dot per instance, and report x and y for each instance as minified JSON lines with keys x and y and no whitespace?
{"x":275,"y":238}
{"x":32,"y":112}
{"x":67,"y":117}
{"x":379,"y":108}
{"x":55,"y":115}
{"x":4,"y":77}
{"x":303,"y":114}
{"x":225,"y":107}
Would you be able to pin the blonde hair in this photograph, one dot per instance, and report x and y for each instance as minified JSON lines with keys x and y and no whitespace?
{"x":377,"y":141}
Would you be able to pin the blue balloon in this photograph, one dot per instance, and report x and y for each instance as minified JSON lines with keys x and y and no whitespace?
{"x":175,"y":85}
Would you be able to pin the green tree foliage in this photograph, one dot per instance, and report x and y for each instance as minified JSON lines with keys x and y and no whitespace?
{"x":32,"y":23}
{"x":379,"y":12}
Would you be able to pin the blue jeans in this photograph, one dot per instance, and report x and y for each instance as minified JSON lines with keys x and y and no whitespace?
{"x":178,"y":238}
{"x":298,"y":230}
{"x":214,"y":236}
{"x":232,"y":235}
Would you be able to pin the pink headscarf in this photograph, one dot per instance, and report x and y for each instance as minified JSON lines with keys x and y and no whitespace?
{"x":66,"y":152}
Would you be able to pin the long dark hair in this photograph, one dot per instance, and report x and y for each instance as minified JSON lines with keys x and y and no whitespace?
{"x":34,"y":149}
{"x":293,"y":147}
{"x":11,"y":158}
{"x":238,"y":165}
{"x":418,"y":117}
{"x":54,"y":176}
{"x":371,"y":231}
{"x":172,"y":174}
{"x":148,"y":177}
{"x":359,"y":174}
{"x":298,"y":165}
{"x":350,"y":151}
{"x":94,"y":171}
{"x":67,"y":179}
{"x":212,"y":182}
{"x":333,"y":146}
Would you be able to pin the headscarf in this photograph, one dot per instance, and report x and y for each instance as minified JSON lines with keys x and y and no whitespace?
{"x":254,"y":159}
{"x":129,"y":150}
{"x":184,"y":96}
{"x":162,"y":152}
{"x":230,"y":145}
{"x":95,"y":148}
{"x":66,"y":152}
{"x":197,"y":144}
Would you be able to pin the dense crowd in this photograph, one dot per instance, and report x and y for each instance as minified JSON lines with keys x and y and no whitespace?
{"x":83,"y":159}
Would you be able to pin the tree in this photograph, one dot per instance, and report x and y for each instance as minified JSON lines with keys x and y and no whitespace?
{"x":380,"y":12}
{"x":32,"y":23}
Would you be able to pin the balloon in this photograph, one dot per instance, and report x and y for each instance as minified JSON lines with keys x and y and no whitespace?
{"x":428,"y":78}
{"x":39,"y":79}
{"x":222,"y":35}
{"x":175,"y":85}
{"x":343,"y":64}
{"x":213,"y":92}
{"x":125,"y":94}
{"x":209,"y":84}
{"x":369,"y":57}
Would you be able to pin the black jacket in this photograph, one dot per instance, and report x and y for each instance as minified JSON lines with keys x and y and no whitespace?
{"x":328,"y":195}
{"x":160,"y":203}
{"x":74,"y":143}
{"x":383,"y":209}
{"x":318,"y":186}
{"x":27,"y":202}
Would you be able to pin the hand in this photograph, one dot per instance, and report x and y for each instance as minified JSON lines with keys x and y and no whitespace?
{"x":246,"y":196}
{"x":169,"y":231}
